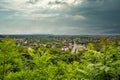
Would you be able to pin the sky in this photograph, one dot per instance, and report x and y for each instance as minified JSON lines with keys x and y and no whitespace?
{"x":60,"y":17}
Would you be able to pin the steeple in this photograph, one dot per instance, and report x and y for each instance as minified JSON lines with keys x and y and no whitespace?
{"x":74,"y":47}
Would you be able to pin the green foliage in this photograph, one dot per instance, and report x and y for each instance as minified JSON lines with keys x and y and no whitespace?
{"x":41,"y":63}
{"x":10,"y":60}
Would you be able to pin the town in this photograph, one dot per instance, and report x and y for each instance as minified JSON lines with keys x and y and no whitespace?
{"x":74,"y":44}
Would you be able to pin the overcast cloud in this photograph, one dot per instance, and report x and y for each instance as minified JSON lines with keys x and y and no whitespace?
{"x":73,"y":17}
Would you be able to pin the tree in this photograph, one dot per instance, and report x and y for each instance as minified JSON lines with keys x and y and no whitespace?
{"x":10,"y":59}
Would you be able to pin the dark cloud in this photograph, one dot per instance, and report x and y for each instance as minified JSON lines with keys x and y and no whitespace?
{"x":90,"y":17}
{"x":100,"y":14}
{"x":57,"y":2}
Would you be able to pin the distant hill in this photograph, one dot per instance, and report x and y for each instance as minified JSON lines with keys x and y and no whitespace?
{"x":26,"y":35}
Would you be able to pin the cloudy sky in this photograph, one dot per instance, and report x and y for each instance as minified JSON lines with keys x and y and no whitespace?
{"x":72,"y":17}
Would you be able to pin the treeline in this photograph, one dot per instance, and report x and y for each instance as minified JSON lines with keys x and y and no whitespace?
{"x":100,"y":61}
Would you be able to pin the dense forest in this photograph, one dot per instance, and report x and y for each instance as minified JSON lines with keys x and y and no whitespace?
{"x":99,"y":61}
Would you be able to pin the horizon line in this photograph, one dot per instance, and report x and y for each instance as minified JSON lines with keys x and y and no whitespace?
{"x":59,"y":34}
